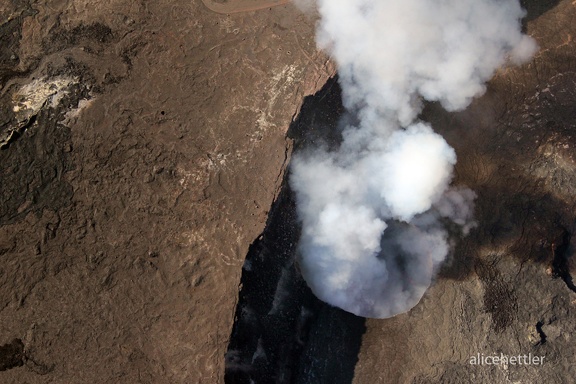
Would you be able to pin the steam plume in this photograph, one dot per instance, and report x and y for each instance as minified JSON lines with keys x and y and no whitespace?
{"x":373,"y":210}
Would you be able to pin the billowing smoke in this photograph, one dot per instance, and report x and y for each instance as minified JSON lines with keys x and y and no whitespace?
{"x":374,"y":210}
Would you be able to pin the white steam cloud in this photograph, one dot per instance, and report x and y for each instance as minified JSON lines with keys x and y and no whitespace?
{"x":373,"y":211}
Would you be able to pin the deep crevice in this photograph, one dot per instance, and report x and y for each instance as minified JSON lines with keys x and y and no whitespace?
{"x":541,"y":333}
{"x":561,"y":261}
{"x":17,"y":133}
{"x":282,"y":333}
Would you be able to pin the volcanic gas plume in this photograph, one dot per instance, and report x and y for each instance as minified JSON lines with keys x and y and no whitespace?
{"x":374,"y":209}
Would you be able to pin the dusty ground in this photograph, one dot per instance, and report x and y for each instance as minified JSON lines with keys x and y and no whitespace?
{"x":142,"y":146}
{"x":143,"y":143}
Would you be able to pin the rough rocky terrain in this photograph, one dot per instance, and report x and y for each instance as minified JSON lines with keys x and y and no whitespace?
{"x":143,"y":144}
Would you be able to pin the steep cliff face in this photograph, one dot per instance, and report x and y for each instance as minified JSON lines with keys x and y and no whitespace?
{"x":142,"y":144}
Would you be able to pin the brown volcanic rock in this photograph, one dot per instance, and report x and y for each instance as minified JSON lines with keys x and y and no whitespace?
{"x":144,"y":142}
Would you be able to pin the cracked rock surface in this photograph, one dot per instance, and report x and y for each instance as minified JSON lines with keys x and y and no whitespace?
{"x":142,"y":143}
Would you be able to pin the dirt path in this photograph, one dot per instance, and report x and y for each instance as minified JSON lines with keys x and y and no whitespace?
{"x":236,"y":6}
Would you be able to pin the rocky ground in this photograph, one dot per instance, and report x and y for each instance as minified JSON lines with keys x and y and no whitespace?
{"x":143,"y":144}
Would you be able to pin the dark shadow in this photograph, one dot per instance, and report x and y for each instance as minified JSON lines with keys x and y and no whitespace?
{"x":500,"y":141}
{"x":536,"y":8}
{"x":282,"y":333}
{"x":562,"y":257}
{"x":12,"y":355}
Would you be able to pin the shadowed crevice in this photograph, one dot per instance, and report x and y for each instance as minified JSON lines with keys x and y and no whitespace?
{"x":561,"y":262}
{"x":282,"y":333}
{"x":12,"y":355}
